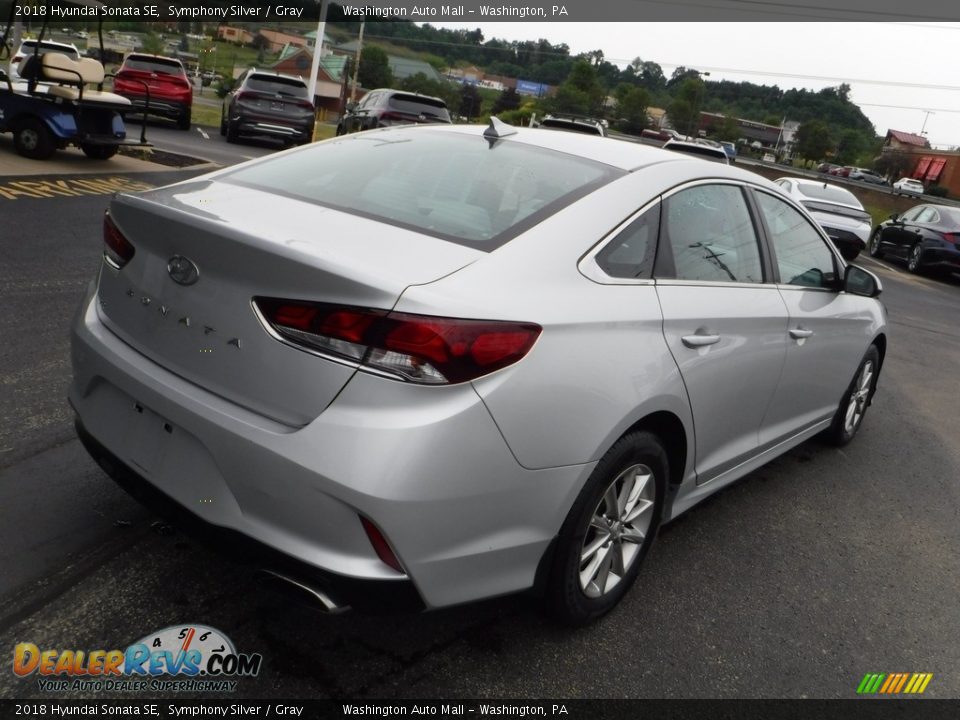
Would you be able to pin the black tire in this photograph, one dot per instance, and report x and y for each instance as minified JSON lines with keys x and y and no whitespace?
{"x":573,"y":600}
{"x":915,"y":258}
{"x":873,"y":247}
{"x":850,"y":254}
{"x":32,"y":139}
{"x":99,"y":152}
{"x":223,"y":124}
{"x":233,"y":134}
{"x":856,"y":400}
{"x":183,"y":122}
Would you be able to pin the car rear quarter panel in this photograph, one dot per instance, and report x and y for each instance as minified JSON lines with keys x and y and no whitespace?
{"x":601,"y":363}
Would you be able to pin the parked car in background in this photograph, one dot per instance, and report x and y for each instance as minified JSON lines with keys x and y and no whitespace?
{"x":699,"y":149}
{"x":385,"y":107}
{"x":574,"y":123}
{"x":836,"y":209}
{"x":869,"y":176}
{"x":927,"y":236}
{"x":29,"y":47}
{"x":171,"y":93}
{"x":662,"y":134}
{"x":730,"y":149}
{"x":451,"y":362}
{"x":269,"y":105}
{"x":826,"y":167}
{"x":908,"y":186}
{"x":842,"y":171}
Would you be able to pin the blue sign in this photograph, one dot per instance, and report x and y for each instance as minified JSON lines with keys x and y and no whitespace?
{"x":526,"y":87}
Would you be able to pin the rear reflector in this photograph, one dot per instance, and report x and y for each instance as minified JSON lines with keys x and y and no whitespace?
{"x":117,"y":249}
{"x":417,"y":348}
{"x":380,"y":545}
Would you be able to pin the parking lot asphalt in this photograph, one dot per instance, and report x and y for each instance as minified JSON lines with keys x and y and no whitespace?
{"x":822,"y":566}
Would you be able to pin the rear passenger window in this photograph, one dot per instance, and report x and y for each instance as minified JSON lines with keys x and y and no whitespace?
{"x":711,"y":235}
{"x":803,"y":257}
{"x":631,"y":253}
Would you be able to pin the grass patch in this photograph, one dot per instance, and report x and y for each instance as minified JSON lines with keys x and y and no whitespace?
{"x":206,"y":115}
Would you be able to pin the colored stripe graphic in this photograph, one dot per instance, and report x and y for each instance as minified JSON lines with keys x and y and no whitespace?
{"x":894,"y":683}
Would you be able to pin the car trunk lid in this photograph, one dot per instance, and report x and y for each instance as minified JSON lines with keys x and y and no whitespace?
{"x":244,"y":243}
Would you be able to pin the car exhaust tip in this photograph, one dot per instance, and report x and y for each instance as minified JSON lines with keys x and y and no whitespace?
{"x":303,"y":593}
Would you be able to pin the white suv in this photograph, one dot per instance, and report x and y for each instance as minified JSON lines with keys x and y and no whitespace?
{"x":28,"y":47}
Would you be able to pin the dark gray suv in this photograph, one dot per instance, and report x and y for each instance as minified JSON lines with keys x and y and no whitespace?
{"x":268,"y":105}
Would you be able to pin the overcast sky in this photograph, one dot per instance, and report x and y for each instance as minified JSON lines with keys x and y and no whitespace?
{"x":898,"y":59}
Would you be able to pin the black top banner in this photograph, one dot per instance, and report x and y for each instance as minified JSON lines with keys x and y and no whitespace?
{"x":482,"y":11}
{"x":496,"y":709}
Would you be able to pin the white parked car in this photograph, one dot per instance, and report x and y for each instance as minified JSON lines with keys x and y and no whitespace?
{"x":908,"y":186}
{"x":29,"y":47}
{"x":837,"y":211}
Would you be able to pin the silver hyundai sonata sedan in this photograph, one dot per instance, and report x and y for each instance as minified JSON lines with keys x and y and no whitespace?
{"x":420,"y":366}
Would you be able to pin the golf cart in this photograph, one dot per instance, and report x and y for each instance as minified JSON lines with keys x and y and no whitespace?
{"x":50,"y":105}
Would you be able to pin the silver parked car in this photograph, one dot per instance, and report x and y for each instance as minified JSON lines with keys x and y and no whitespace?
{"x":427,"y":365}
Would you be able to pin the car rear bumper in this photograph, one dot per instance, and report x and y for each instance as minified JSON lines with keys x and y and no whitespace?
{"x":464,"y":518}
{"x":275,"y":127}
{"x":159,"y":107}
{"x":942,"y":259}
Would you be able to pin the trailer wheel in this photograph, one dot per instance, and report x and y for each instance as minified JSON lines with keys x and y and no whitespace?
{"x":99,"y":152}
{"x":32,"y":139}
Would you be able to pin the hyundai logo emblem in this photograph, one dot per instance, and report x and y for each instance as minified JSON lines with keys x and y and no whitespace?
{"x":182,"y":270}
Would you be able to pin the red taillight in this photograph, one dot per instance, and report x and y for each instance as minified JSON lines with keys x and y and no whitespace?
{"x":117,"y":251}
{"x":245,"y":96}
{"x":953,"y":238}
{"x":391,"y":116}
{"x":306,"y":105}
{"x":417,"y":348}
{"x":380,"y":545}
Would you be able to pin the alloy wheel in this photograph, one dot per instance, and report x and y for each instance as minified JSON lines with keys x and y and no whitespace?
{"x":617,"y":529}
{"x":914,"y":262}
{"x":859,"y":398}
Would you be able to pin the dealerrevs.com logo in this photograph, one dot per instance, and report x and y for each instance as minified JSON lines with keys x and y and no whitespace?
{"x":179,"y":658}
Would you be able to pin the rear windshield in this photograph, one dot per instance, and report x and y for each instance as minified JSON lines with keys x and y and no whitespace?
{"x":420,"y":106}
{"x":155,"y":65}
{"x":570,"y":125}
{"x":277,"y":85}
{"x":704,"y":151}
{"x":449,"y":185}
{"x":30,"y":45}
{"x":819,"y":191}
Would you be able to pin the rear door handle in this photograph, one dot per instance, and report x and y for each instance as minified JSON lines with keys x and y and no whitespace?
{"x":695,"y":341}
{"x":800,"y":333}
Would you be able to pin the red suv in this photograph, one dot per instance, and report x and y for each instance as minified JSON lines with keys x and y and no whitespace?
{"x":171,"y":94}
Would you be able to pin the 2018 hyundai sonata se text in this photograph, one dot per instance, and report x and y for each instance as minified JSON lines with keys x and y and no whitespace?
{"x":428,"y":365}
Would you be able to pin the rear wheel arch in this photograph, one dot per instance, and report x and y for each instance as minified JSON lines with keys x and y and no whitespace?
{"x":672,"y":433}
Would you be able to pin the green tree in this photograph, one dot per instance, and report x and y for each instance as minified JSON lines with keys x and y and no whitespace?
{"x":374,"y":68}
{"x":509,"y":99}
{"x":812,"y":140}
{"x":632,"y":104}
{"x":446,"y":91}
{"x":581,"y":92}
{"x":684,"y":111}
{"x":152,"y":44}
{"x":470,"y":101}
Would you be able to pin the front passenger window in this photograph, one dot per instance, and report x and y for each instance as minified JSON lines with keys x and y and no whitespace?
{"x":803,"y":257}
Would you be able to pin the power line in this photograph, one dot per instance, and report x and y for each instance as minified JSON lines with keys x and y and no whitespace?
{"x":908,"y":107}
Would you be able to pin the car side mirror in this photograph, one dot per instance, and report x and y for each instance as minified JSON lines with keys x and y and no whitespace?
{"x":894,"y":216}
{"x":858,"y":281}
{"x":351,"y":106}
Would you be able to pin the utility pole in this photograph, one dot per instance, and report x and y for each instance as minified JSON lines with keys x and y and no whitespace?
{"x":317,"y":49}
{"x":926,"y":116}
{"x":356,"y":68}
